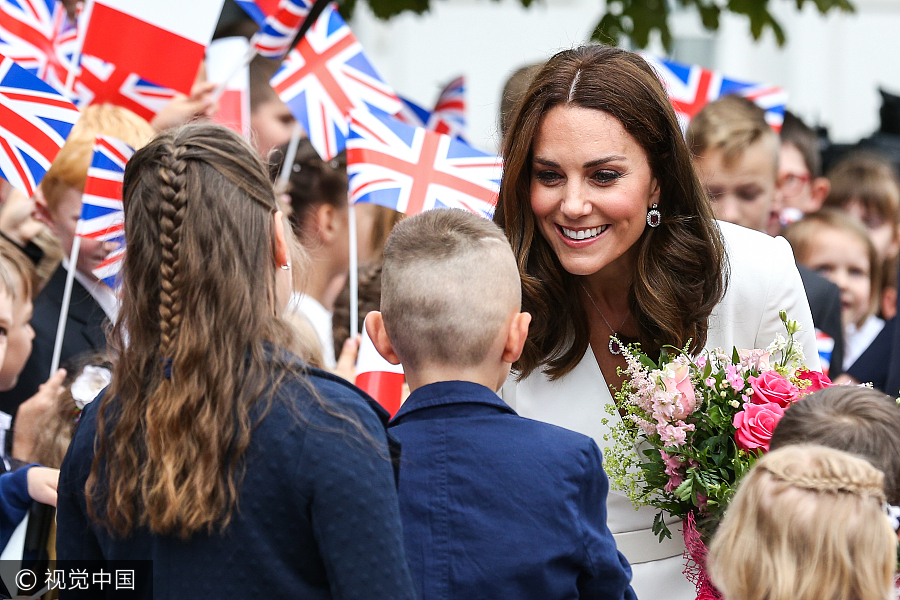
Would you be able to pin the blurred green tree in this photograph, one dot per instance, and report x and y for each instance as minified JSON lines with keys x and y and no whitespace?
{"x":636,"y":20}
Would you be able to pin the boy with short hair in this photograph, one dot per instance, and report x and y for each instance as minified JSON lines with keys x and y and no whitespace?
{"x":493,"y":505}
{"x":736,"y":155}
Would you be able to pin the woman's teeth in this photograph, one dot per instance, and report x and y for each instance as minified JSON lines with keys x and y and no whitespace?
{"x":583,"y":234}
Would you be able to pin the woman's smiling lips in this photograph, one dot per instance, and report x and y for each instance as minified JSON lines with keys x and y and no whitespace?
{"x":580,"y":236}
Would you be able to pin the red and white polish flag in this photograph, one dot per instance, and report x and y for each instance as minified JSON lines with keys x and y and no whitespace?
{"x":234,"y":104}
{"x":377,"y":377}
{"x":163,"y":41}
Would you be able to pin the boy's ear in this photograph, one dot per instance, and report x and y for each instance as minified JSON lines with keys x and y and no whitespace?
{"x":325,"y":216}
{"x":378,"y":335}
{"x":515,"y":337}
{"x":819,"y":189}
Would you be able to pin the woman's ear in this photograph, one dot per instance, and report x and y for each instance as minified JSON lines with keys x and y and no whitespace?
{"x":282,"y":254}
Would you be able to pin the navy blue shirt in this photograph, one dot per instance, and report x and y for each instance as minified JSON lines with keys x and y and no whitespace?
{"x":502,"y":507}
{"x":317,"y":515}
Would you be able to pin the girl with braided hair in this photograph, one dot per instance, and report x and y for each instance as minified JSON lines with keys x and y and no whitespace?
{"x":807,"y":523}
{"x":216,"y":453}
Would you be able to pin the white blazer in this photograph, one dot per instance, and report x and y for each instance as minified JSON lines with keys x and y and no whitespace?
{"x":763,"y":280}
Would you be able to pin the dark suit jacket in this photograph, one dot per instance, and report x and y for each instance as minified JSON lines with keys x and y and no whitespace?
{"x":498,"y":506}
{"x":825,"y":304}
{"x":84,"y":333}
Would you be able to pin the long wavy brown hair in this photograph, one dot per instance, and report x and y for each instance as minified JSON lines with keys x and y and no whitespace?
{"x":194,"y":338}
{"x":680,"y":273}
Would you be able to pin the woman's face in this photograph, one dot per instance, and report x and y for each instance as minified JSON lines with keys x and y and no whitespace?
{"x":591,"y":187}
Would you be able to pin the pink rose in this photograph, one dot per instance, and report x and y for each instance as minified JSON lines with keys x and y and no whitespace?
{"x":771,"y":386}
{"x":682,"y":389}
{"x":817,"y":381}
{"x":755,"y":425}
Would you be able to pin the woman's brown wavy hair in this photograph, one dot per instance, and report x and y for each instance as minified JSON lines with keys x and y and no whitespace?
{"x":194,"y":336}
{"x":680,"y":273}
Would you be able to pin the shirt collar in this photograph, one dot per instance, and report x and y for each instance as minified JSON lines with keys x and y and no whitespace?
{"x":445,"y":393}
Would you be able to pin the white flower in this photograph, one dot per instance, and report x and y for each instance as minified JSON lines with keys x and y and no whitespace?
{"x":778,"y":345}
{"x":90,"y":383}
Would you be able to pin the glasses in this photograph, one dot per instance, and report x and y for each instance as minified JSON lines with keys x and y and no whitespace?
{"x":791,"y":184}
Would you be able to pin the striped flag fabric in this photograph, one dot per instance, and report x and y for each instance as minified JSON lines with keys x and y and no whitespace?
{"x":258,"y":10}
{"x":377,"y":377}
{"x":100,"y":81}
{"x":277,"y":32}
{"x":325,"y":77}
{"x":102,"y":214}
{"x":30,"y":33}
{"x":448,"y":116}
{"x":162,"y":41}
{"x":411,"y":169}
{"x":691,"y":87}
{"x":35,"y":121}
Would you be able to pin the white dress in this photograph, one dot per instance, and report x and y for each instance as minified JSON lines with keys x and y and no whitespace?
{"x":763,"y":280}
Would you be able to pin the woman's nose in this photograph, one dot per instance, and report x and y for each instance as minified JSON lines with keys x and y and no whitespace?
{"x":575,"y":203}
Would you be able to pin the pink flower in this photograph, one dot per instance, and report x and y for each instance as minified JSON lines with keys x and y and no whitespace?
{"x":674,"y":435}
{"x":816,"y":380}
{"x":700,"y":361}
{"x":771,"y":386}
{"x":755,"y":425}
{"x":673,"y":470}
{"x":680,"y":387}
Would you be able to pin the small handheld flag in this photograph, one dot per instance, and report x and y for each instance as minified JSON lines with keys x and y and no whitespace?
{"x":258,"y":10}
{"x":100,"y":81}
{"x":35,"y":121}
{"x":448,"y":116}
{"x":102,"y":215}
{"x":277,"y":33}
{"x":161,"y":41}
{"x":325,"y":77}
{"x":411,"y":170}
{"x":691,"y":87}
{"x":30,"y":33}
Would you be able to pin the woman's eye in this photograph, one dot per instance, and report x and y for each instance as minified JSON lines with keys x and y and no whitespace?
{"x":606,"y":176}
{"x":547,"y":176}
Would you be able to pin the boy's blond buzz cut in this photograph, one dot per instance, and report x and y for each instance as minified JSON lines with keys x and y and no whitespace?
{"x":449,"y":286}
{"x":731,"y":125}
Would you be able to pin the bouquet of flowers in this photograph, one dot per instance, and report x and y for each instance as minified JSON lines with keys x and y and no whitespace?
{"x":690,"y":427}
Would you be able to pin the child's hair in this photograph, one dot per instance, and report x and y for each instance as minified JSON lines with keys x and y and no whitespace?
{"x":807,"y":523}
{"x":449,"y":282}
{"x":195,"y":335}
{"x":369,"y":296}
{"x":7,"y":283}
{"x":731,"y":125}
{"x":20,"y":268}
{"x":798,"y":134}
{"x":513,"y":91}
{"x":57,"y":425}
{"x":869,"y":179}
{"x":70,"y":167}
{"x":312,"y":182}
{"x":855,"y":419}
{"x":801,"y":234}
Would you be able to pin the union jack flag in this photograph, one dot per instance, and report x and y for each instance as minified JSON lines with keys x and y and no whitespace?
{"x":448,"y":116}
{"x":411,"y":169}
{"x":258,"y":10}
{"x":100,"y":81}
{"x":691,"y":87}
{"x":102,"y":215}
{"x":35,"y":121}
{"x":325,"y":77}
{"x":277,"y":32}
{"x":32,"y":32}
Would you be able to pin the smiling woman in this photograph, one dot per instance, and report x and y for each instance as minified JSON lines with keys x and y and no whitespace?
{"x":616,"y":243}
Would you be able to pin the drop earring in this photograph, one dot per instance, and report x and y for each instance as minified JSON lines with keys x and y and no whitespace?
{"x":654,"y":217}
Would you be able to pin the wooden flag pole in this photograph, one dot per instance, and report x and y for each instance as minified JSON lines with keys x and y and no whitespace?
{"x":66,"y":300}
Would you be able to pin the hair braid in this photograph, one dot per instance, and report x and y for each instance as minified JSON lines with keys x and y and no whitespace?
{"x":869,"y":483}
{"x":174,"y":196}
